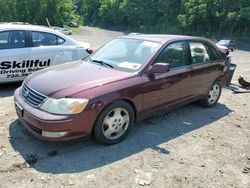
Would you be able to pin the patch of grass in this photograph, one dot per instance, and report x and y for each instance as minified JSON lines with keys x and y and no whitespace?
{"x":75,"y":30}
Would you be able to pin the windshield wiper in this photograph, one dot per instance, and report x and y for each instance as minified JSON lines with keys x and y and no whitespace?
{"x":102,"y":63}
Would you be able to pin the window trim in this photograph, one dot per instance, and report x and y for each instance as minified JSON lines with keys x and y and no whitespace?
{"x":206,"y":45}
{"x":185,"y":50}
{"x":25,"y":39}
{"x":216,"y":51}
{"x":144,"y":71}
{"x":31,"y":39}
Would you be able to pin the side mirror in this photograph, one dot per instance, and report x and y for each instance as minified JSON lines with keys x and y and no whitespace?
{"x":159,"y":68}
{"x":89,"y":50}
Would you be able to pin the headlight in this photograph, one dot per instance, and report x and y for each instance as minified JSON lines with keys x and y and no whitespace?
{"x":64,"y":106}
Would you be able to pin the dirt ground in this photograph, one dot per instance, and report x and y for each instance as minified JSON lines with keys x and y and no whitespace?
{"x":190,"y":147}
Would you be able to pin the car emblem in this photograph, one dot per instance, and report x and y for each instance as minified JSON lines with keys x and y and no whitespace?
{"x":26,"y":94}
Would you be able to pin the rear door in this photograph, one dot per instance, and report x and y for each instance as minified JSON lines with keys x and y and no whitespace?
{"x":207,"y":66}
{"x":169,"y":88}
{"x":14,"y":54}
{"x":47,"y":50}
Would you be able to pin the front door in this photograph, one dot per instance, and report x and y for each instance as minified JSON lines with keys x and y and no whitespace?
{"x":14,"y":55}
{"x":47,"y":50}
{"x":166,"y":89}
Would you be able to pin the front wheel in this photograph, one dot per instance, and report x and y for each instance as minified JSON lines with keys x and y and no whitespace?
{"x":114,"y":123}
{"x":213,"y":96}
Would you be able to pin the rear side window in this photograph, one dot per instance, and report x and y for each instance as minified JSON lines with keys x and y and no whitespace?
{"x":174,"y":54}
{"x":199,"y":53}
{"x":46,"y":39}
{"x":12,"y":39}
{"x":214,"y":54}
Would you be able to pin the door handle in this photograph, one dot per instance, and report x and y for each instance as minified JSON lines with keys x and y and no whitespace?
{"x":61,"y":53}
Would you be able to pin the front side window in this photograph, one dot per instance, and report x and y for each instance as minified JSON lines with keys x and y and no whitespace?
{"x":46,"y":39}
{"x":126,"y":54}
{"x":174,"y":54}
{"x":12,"y":39}
{"x":199,"y":53}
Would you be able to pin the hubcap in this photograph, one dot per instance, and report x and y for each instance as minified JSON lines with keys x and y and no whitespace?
{"x":115,"y":123}
{"x":214,"y":94}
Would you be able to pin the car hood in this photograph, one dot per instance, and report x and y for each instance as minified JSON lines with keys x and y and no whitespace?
{"x":71,"y":78}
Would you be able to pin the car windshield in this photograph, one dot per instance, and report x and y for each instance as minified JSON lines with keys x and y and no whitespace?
{"x":125,"y":54}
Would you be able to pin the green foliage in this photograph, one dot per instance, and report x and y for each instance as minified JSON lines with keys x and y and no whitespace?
{"x":36,"y":11}
{"x":245,"y":13}
{"x":213,"y":16}
{"x":6,"y":13}
{"x":89,"y":11}
{"x":205,"y":17}
{"x":197,"y":17}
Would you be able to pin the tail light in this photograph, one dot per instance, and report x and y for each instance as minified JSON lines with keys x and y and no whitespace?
{"x":89,"y":50}
{"x":229,"y":59}
{"x":227,"y":64}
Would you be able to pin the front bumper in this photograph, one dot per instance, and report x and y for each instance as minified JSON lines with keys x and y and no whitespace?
{"x":38,"y":122}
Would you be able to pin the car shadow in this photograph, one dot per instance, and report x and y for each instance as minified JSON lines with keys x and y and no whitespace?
{"x":79,"y":156}
{"x":7,"y":90}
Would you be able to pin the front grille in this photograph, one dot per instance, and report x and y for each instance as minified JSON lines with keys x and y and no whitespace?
{"x":31,"y":96}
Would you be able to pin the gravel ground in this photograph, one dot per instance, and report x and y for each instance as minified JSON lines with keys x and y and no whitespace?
{"x":95,"y":36}
{"x":190,"y":147}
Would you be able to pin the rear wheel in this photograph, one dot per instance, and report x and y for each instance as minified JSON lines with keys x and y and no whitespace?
{"x":114,"y":123}
{"x":213,"y":96}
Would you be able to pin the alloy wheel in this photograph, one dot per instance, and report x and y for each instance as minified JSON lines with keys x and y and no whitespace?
{"x":214,"y":94}
{"x":115,"y":123}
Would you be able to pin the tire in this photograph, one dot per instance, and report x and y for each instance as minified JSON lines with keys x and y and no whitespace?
{"x":212,"y":96}
{"x":114,"y":123}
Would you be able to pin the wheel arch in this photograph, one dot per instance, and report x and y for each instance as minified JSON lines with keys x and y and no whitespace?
{"x":132,"y":105}
{"x":219,"y":79}
{"x":130,"y":102}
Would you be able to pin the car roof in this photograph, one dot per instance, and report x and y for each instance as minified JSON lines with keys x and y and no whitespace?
{"x":10,"y":26}
{"x":161,"y":38}
{"x":28,"y":27}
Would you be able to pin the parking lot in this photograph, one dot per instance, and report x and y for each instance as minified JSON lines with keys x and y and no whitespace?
{"x":190,"y":147}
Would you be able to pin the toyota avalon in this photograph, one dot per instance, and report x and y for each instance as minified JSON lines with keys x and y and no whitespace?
{"x":127,"y":80}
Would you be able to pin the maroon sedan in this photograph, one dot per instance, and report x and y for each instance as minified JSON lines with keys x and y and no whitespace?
{"x":128,"y":79}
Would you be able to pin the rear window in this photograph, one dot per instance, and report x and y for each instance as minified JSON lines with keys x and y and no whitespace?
{"x":12,"y":39}
{"x":46,"y":39}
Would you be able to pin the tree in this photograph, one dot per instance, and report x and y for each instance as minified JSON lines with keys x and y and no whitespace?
{"x":36,"y":11}
{"x":205,"y":17}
